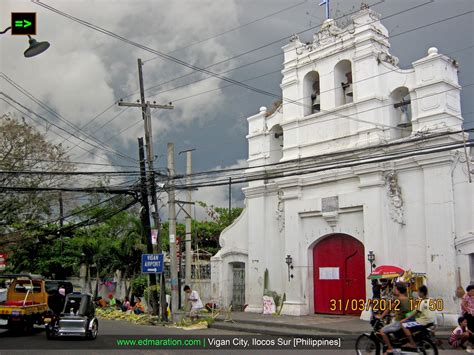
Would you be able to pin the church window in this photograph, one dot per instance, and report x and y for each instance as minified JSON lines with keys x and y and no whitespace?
{"x":343,"y":88}
{"x":401,"y":112}
{"x":312,"y":93}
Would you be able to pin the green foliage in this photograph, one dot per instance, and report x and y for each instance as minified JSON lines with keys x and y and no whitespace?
{"x":139,"y":285}
{"x":205,"y":232}
{"x":280,"y":305}
{"x":23,"y":147}
{"x":149,"y":289}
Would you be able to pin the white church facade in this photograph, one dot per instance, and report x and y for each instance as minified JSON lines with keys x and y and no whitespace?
{"x":363,"y":160}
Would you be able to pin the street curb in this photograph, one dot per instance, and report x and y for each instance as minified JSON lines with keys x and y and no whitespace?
{"x":292,"y":326}
{"x":267,"y":327}
{"x":280,"y":331}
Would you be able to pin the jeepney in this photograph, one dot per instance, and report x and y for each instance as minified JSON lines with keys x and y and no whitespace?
{"x":26,"y":302}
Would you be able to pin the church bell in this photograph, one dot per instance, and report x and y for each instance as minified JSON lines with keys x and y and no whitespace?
{"x":348,"y":90}
{"x":316,"y":103}
{"x":404,"y":121}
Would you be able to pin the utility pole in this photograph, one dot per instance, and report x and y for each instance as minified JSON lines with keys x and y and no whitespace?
{"x":188,"y":220}
{"x":146,"y":115}
{"x":145,"y":218}
{"x":172,"y":230}
{"x":61,"y":217}
{"x":230,"y":199}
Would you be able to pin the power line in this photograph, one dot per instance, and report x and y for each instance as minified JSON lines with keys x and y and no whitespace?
{"x":158,"y":53}
{"x":61,"y":118}
{"x":58,"y":219}
{"x":98,"y":189}
{"x":62,"y":129}
{"x":282,"y":39}
{"x":78,"y":162}
{"x":340,"y":115}
{"x":69,"y":228}
{"x":266,"y":45}
{"x":274,"y":72}
{"x":338,"y":165}
{"x":189,"y":45}
{"x":421,"y":138}
{"x":59,"y":135}
{"x":259,"y":48}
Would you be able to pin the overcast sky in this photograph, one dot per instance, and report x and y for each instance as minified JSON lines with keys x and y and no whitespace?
{"x":84,"y":71}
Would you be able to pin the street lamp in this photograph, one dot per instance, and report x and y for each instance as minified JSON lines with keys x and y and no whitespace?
{"x":371,"y":259}
{"x":35,"y":47}
{"x":289,"y":262}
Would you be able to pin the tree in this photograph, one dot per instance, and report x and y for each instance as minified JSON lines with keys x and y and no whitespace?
{"x":23,"y":147}
{"x":206,"y":233}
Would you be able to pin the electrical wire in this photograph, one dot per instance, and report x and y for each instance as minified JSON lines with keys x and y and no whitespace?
{"x":421,"y":138}
{"x":61,"y":118}
{"x":292,"y":101}
{"x":274,"y":42}
{"x":158,"y":53}
{"x":356,"y":162}
{"x":189,"y":45}
{"x":70,"y":228}
{"x":52,"y":221}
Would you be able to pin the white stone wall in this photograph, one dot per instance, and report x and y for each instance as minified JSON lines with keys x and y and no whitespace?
{"x":426,"y":225}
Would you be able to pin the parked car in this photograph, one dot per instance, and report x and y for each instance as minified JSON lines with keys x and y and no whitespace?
{"x":76,"y":319}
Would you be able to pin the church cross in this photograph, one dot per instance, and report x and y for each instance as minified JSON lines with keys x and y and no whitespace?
{"x":325,"y":2}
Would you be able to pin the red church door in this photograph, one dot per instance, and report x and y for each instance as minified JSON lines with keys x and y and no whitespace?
{"x":339,"y":275}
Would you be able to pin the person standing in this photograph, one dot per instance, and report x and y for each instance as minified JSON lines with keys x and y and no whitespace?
{"x":195,"y":300}
{"x":467,"y":307}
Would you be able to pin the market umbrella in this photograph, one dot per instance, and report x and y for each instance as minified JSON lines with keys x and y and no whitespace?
{"x":386,"y":272}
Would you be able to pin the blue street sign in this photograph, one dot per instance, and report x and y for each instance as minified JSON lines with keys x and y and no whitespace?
{"x":152,"y":263}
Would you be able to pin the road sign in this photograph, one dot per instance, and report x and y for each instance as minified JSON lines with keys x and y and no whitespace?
{"x":152,"y":263}
{"x":23,"y":23}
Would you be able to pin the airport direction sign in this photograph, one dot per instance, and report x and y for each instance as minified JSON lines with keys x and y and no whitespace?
{"x":152,"y":263}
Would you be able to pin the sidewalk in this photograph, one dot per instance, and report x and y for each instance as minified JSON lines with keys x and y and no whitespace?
{"x":314,"y":324}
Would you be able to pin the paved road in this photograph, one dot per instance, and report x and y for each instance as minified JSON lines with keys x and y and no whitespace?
{"x":110,"y":331}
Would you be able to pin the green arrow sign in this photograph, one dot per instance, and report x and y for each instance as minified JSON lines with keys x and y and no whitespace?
{"x":24,"y":23}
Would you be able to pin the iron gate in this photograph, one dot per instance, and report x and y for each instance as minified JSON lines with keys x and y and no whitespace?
{"x":238,"y":286}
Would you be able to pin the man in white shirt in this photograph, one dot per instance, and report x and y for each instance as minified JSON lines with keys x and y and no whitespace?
{"x":195,"y":300}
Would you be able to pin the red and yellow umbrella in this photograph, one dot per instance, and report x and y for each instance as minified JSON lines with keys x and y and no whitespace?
{"x":386,"y":272}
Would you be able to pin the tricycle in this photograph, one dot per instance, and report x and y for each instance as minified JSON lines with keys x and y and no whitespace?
{"x":76,"y":319}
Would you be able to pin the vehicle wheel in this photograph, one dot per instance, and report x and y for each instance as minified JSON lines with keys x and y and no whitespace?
{"x":366,"y":345}
{"x":50,"y":334}
{"x":27,"y":327}
{"x":428,"y":347}
{"x":92,"y":334}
